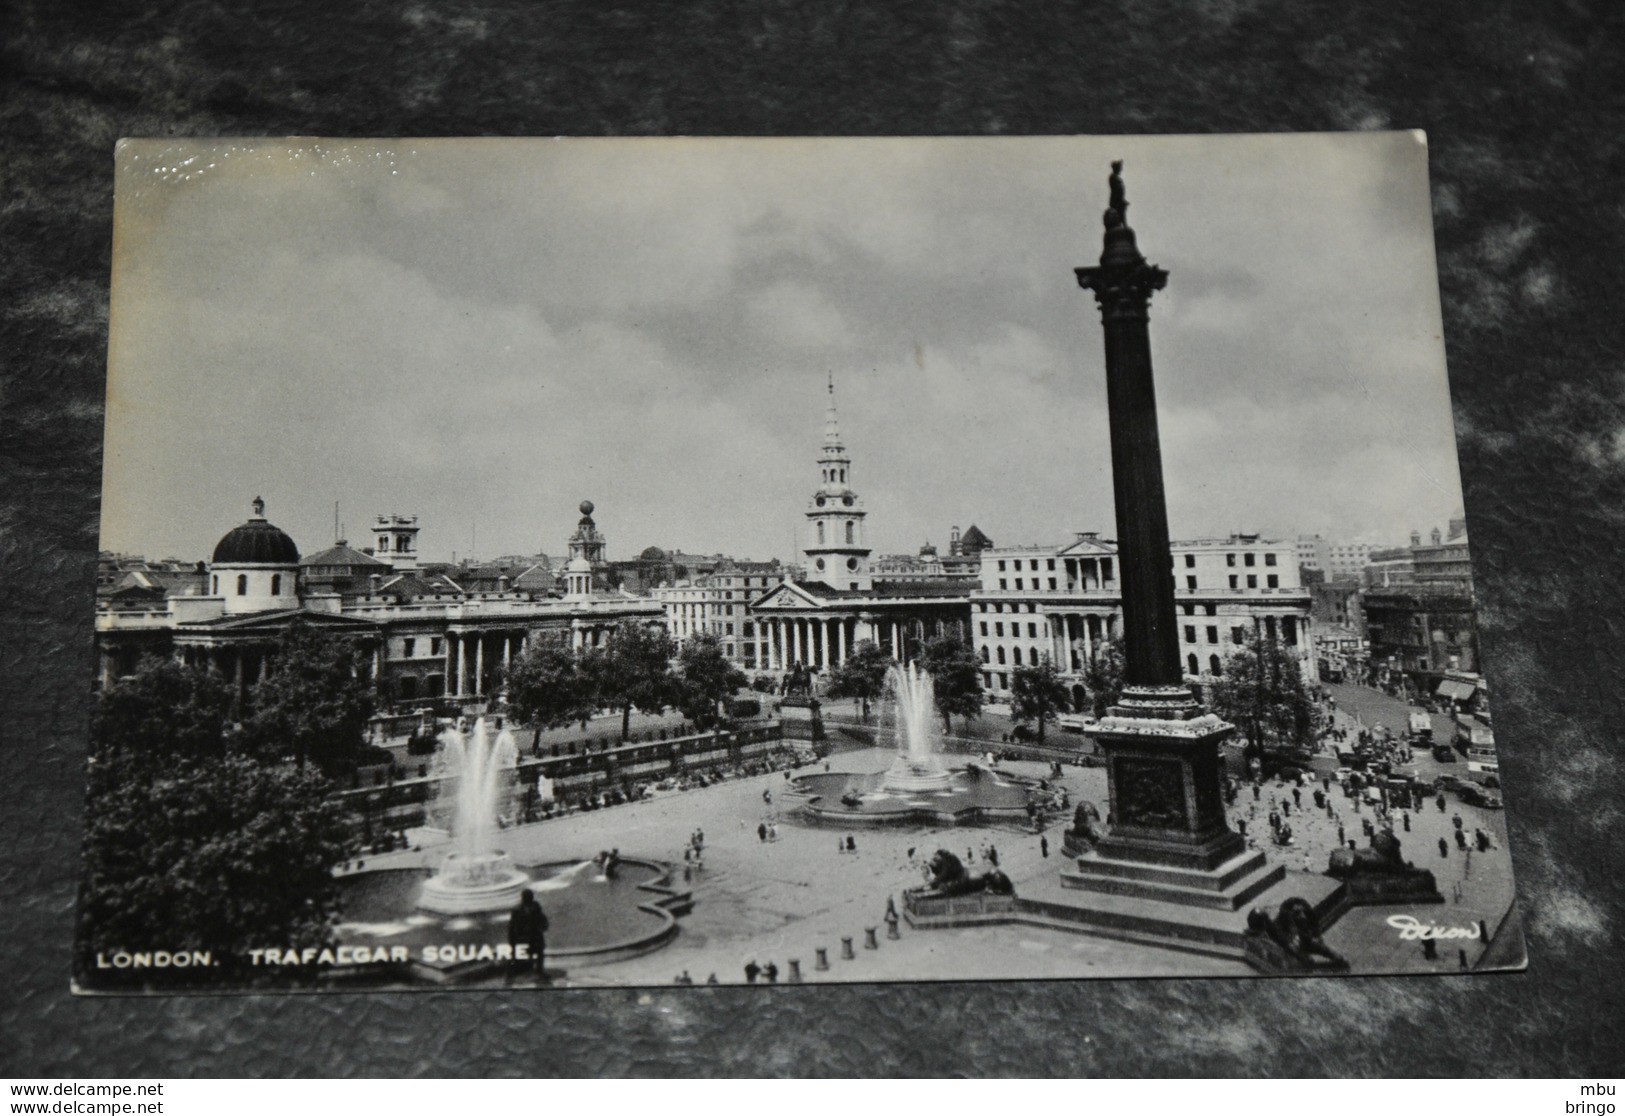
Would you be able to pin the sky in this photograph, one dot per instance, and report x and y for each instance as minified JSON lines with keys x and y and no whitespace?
{"x":486,"y":332}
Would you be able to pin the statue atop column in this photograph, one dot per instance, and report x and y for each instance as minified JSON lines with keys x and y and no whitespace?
{"x":1117,"y":209}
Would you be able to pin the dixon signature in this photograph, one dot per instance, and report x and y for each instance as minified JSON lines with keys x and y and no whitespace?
{"x":1412,"y":930}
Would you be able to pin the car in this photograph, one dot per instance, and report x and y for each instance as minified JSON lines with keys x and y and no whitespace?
{"x":1475,"y":795}
{"x":1451,"y":783}
{"x":1444,"y":753}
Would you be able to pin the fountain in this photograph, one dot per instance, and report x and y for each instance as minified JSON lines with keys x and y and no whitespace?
{"x":475,"y":780}
{"x":918,"y":766}
{"x":918,"y":788}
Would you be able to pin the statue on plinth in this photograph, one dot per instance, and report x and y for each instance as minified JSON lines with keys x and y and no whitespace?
{"x":1294,"y":934}
{"x":1381,"y":874}
{"x":950,"y":877}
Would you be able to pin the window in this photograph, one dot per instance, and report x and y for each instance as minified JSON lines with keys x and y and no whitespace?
{"x":1052,"y":583}
{"x":408,"y":647}
{"x":1249,"y":559}
{"x":242,"y":585}
{"x":215,"y":591}
{"x":984,"y":653}
{"x":1289,"y":630}
{"x":1191,"y":666}
{"x":987,"y":679}
{"x":1213,"y":666}
{"x":1190,"y":633}
{"x":1230,"y":559}
{"x":1238,"y":635}
{"x":1190,"y":561}
{"x":1210,"y":610}
{"x":1190,"y":581}
{"x":1015,"y":655}
{"x":998,"y":629}
{"x":1269,"y":559}
{"x":1188,"y":609}
{"x":820,"y":532}
{"x":434,"y":645}
{"x":1032,"y":631}
{"x":1105,"y":569}
{"x":1273,"y":581}
{"x":1252,"y":581}
{"x":1232,"y":581}
{"x":1213,"y":633}
{"x":1051,"y":564}
{"x":1269,"y":628}
{"x":276,"y":585}
{"x":1004,"y":681}
{"x":1004,"y":583}
{"x":984,"y":627}
{"x":1000,"y":657}
{"x":851,"y":529}
{"x":727,"y":629}
{"x":1001,"y":565}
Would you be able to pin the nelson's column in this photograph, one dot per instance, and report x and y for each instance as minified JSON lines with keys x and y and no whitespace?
{"x":1167,"y":847}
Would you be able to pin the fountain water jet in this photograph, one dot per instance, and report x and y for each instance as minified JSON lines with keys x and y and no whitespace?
{"x":919,"y":765}
{"x":476,"y":776}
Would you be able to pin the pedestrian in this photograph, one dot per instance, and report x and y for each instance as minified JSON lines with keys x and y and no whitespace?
{"x":1455,"y":820}
{"x":1461,"y":840}
{"x":761,"y":831}
{"x":1256,"y":792}
{"x":752,"y":971}
{"x":1406,"y":818}
{"x":851,"y":843}
{"x":1241,"y":826}
{"x":771,"y":972}
{"x":1440,"y":801}
{"x":1286,"y":808}
{"x":1297,"y":797}
{"x":1342,"y":837}
{"x":712,"y":979}
{"x":992,"y":854}
{"x":1444,"y":849}
{"x":527,"y":933}
{"x":1043,"y":846}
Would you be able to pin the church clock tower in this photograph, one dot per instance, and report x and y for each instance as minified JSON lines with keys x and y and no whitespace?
{"x":836,"y":552}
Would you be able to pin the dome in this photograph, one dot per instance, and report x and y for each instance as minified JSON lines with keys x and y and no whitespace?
{"x":577,"y":565}
{"x":256,"y":541}
{"x":653,"y":554}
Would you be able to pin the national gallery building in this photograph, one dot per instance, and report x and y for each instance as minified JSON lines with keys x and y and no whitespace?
{"x":427,"y":636}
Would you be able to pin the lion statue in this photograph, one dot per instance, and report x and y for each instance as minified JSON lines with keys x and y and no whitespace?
{"x":1296,"y":930}
{"x":949,"y":877}
{"x":1382,"y":858}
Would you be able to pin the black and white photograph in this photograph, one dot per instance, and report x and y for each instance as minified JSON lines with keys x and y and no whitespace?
{"x":573,"y":563}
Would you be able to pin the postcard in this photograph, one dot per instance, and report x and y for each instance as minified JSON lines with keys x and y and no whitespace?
{"x":489,"y":594}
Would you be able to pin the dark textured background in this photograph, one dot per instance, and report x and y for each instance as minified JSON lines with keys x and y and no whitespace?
{"x":1525,"y":108}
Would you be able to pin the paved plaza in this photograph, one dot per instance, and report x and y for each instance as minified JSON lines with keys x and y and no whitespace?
{"x":784,"y":899}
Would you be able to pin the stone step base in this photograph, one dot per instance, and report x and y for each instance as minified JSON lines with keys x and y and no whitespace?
{"x":1228,"y":887}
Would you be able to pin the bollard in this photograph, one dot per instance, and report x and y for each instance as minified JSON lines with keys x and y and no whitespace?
{"x":846,"y":950}
{"x":891,"y":929}
{"x":795,"y":971}
{"x":823,"y":959}
{"x":869,"y":939}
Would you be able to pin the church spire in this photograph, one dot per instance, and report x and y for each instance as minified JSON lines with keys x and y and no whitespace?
{"x":832,"y":430}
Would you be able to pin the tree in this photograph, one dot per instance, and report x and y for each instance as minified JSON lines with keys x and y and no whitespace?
{"x":1262,"y":692}
{"x":314,"y":703}
{"x":707,"y":680}
{"x":956,"y":679}
{"x":165,"y":709}
{"x":1103,"y":675}
{"x":862,"y":677}
{"x":1037,"y":692}
{"x":221,"y":854}
{"x":547,"y":687}
{"x":634,"y":672}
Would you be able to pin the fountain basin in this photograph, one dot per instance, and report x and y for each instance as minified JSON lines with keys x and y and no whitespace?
{"x":960,"y":796}
{"x":470,"y":884}
{"x":906,"y":775}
